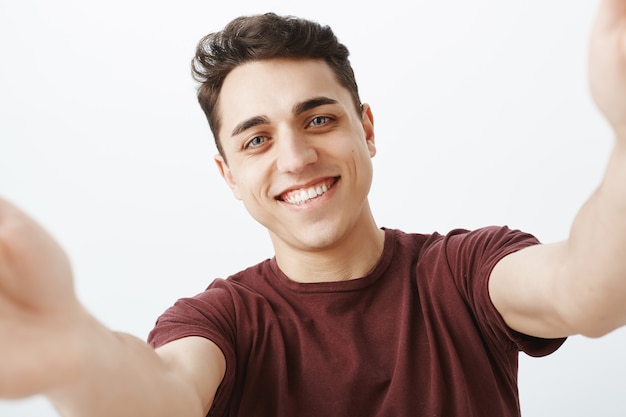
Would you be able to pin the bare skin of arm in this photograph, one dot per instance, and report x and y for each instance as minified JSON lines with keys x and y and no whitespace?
{"x":578,"y":286}
{"x":51,"y":345}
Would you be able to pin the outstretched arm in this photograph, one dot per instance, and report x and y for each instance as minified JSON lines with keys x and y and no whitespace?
{"x":579,"y":285}
{"x":51,"y":345}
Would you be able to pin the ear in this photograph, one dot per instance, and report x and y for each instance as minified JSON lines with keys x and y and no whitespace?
{"x":227,"y":174}
{"x":367,"y":120}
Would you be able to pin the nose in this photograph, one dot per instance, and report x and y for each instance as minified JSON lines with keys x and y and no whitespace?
{"x":294,"y":153}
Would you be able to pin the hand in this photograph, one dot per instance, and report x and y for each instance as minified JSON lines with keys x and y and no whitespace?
{"x":39,"y":313}
{"x":607,"y":63}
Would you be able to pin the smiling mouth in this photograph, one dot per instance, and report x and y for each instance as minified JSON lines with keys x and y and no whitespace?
{"x":306,"y":194}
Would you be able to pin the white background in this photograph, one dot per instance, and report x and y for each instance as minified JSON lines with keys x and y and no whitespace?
{"x":482,"y":113}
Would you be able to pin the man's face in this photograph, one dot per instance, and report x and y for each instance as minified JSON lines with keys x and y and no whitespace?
{"x":299,"y":154}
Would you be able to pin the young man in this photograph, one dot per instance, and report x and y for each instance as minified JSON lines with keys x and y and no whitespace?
{"x":347,"y":318}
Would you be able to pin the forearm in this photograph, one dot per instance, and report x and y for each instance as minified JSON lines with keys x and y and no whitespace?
{"x":120,"y":375}
{"x":595,"y":268}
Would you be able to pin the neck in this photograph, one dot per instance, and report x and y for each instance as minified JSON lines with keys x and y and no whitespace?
{"x":352,"y":256}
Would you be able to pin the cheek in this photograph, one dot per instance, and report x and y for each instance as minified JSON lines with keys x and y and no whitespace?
{"x":252,"y":184}
{"x":364,"y":151}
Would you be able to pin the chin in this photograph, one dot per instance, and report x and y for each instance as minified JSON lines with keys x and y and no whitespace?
{"x":319,"y":239}
{"x":314,"y":238}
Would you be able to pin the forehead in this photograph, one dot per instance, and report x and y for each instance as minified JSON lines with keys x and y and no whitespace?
{"x":271,"y":86}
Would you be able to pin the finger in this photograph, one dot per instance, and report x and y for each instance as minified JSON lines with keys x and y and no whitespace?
{"x":35,"y":270}
{"x":611,"y":14}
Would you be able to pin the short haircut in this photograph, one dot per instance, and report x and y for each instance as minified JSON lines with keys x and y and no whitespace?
{"x":263,"y":37}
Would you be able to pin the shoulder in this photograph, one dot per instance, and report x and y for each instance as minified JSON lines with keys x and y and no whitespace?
{"x":460,"y":253}
{"x":248,"y":280}
{"x":212,"y":311}
{"x":464,"y":241}
{"x":486,"y":242}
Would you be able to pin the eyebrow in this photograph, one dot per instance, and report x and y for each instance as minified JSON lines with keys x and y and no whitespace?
{"x":248,"y":123}
{"x":297,"y":110}
{"x":312,"y":103}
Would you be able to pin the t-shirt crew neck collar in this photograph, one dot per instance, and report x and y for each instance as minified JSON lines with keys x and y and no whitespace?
{"x":383,"y":263}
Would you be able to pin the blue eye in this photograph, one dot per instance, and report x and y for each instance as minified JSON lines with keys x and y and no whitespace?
{"x":256,"y":141}
{"x":319,"y":120}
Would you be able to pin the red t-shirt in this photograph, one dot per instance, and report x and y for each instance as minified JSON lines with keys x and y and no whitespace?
{"x":417,"y":336}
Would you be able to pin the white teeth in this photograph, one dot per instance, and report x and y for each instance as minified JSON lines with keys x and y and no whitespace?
{"x":302,"y":196}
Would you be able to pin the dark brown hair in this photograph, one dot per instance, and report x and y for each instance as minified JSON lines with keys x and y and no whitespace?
{"x":262,"y":37}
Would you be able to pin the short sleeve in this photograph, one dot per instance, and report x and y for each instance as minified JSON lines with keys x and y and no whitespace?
{"x":471,"y":256}
{"x":205,"y":315}
{"x":211,"y":315}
